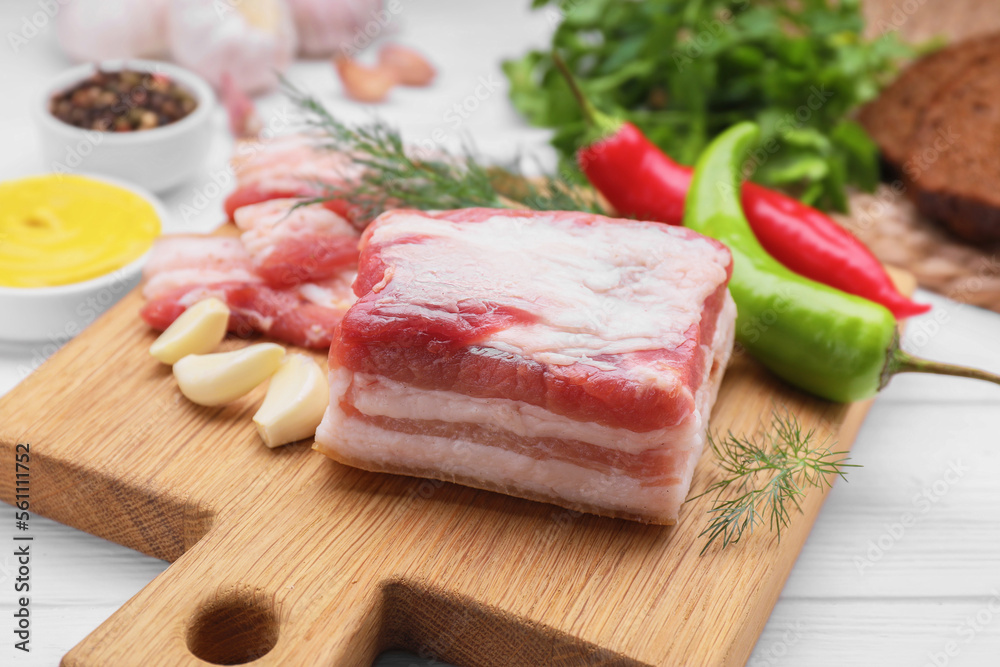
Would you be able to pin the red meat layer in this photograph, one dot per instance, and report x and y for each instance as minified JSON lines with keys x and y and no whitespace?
{"x":307,"y":258}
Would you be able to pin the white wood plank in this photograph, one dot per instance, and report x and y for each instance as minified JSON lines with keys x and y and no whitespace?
{"x":887,"y":633}
{"x":930,"y":467}
{"x":954,"y":333}
{"x":56,"y":629}
{"x":77,"y":581}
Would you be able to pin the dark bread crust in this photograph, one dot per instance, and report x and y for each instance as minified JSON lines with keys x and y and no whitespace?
{"x":938,"y":127}
{"x":892,"y":118}
{"x":959,"y":143}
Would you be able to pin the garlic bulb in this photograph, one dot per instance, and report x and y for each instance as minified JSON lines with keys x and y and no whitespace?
{"x":327,"y":26}
{"x":251,"y":40}
{"x":103,"y":29}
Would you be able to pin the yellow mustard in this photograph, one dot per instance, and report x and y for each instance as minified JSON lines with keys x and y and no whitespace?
{"x":59,"y":229}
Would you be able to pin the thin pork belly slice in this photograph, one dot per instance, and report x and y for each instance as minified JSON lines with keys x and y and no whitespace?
{"x":563,"y":357}
{"x":182,"y":260}
{"x":292,"y":315}
{"x":290,"y":166}
{"x":290,"y":245}
{"x":183,"y":270}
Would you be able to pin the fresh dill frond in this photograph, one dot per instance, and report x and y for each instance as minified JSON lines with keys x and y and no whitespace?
{"x":765,"y":477}
{"x":396,"y":175}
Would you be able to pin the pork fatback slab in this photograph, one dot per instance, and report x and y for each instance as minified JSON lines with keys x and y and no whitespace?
{"x":557,"y":356}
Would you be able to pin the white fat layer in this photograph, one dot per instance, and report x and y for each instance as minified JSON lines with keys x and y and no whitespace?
{"x":266,"y":224}
{"x":595,"y":289}
{"x":380,"y":397}
{"x":517,"y":474}
{"x":168,"y":281}
{"x":335,"y":293}
{"x":453,"y":460}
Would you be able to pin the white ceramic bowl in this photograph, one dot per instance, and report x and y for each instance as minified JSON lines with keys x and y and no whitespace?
{"x":56,"y":314}
{"x":156,"y":159}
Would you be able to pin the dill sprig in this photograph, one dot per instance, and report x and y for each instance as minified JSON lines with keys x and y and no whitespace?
{"x":395,"y":175}
{"x":765,"y":477}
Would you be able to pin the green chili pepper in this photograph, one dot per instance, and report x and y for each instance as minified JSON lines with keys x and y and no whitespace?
{"x":832,"y":344}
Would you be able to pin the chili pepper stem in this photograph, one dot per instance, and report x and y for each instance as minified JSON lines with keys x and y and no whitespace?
{"x":604,"y":124}
{"x":907,"y":363}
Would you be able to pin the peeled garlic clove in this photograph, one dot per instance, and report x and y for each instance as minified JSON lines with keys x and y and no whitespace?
{"x":409,"y":66}
{"x":214,"y":379}
{"x":364,"y":84}
{"x":296,"y":399}
{"x":198,"y":330}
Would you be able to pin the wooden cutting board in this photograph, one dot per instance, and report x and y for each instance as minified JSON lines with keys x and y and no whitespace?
{"x":284,"y":557}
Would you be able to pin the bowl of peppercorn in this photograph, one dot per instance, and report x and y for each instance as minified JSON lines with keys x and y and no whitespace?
{"x":143,"y":121}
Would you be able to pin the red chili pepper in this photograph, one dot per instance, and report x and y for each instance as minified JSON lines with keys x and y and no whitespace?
{"x":641,"y":181}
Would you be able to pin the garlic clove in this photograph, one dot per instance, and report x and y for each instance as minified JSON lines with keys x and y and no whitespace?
{"x":409,"y":66}
{"x":364,"y":84}
{"x":297,"y":398}
{"x":214,"y":379}
{"x":198,"y":330}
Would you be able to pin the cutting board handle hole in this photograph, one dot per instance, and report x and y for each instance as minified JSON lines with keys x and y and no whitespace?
{"x":232,"y":630}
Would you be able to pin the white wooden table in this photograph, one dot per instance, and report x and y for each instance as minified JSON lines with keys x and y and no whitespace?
{"x":903,"y":565}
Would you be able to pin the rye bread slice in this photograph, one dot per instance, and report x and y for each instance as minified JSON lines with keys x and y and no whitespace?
{"x":893,"y":117}
{"x":954,"y":160}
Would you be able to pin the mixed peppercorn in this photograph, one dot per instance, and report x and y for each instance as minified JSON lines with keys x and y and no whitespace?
{"x":123,"y":101}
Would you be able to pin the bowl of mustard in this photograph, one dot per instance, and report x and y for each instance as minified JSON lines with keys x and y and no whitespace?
{"x":71,"y":246}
